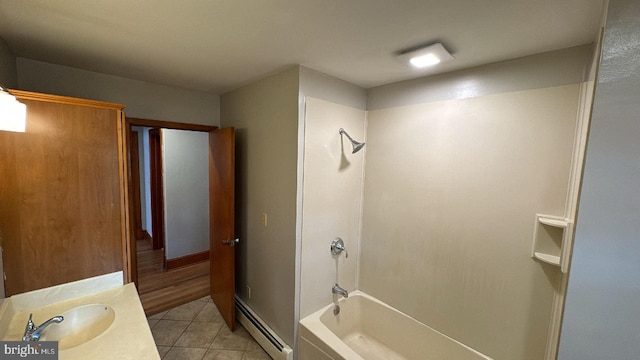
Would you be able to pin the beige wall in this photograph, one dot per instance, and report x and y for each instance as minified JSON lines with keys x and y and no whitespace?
{"x":450,"y":195}
{"x":265,"y":116}
{"x":554,"y":68}
{"x":332,"y":200}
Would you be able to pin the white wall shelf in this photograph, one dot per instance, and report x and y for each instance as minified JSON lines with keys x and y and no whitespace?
{"x":552,"y":237}
{"x":549,"y":259}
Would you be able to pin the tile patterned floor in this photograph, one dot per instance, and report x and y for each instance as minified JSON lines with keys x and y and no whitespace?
{"x":196,"y":331}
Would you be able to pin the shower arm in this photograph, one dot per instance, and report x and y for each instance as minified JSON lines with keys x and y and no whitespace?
{"x":357,"y":146}
{"x":343,"y":132}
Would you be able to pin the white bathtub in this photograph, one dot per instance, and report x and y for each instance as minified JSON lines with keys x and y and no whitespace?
{"x":366,"y":328}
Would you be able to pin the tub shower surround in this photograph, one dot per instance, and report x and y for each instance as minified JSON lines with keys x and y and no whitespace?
{"x":332,"y":192}
{"x":366,"y":328}
{"x":438,"y":214}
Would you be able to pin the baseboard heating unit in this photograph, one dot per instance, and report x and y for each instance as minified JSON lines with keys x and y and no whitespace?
{"x":270,"y":342}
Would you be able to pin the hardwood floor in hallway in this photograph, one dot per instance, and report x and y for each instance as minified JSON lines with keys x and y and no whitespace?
{"x":161,"y":289}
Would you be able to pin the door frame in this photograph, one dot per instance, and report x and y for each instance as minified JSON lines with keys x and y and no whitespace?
{"x":157,"y":190}
{"x":130,"y":255}
{"x":134,"y":157}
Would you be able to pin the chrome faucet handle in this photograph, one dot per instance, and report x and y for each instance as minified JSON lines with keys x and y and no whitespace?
{"x":29,"y":329}
{"x":30,"y":325}
{"x":337,"y":247}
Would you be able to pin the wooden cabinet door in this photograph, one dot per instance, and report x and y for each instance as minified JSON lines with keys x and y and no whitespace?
{"x":222,"y":224}
{"x":60,"y":195}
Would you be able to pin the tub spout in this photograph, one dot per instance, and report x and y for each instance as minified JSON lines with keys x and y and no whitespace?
{"x":336,"y":289}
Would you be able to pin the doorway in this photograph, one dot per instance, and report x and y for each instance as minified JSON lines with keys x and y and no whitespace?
{"x":161,"y":284}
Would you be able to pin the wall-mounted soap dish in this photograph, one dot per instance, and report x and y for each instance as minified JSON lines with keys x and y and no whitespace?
{"x":552,"y":237}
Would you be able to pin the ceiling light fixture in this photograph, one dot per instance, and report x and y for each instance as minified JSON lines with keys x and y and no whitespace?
{"x":426,"y":56}
{"x":13,"y":114}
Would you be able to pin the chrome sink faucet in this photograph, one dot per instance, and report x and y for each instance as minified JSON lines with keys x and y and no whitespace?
{"x":33,"y":332}
{"x":336,"y":289}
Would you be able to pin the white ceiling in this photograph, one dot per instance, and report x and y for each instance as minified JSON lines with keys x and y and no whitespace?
{"x":220,"y":45}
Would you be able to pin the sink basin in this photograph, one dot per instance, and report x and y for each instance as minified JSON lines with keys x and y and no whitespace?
{"x":80,"y":325}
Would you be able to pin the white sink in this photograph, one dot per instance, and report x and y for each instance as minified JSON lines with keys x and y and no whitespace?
{"x":81,"y":324}
{"x":100,"y":324}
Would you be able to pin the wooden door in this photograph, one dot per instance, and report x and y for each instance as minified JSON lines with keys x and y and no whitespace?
{"x":222,"y":225}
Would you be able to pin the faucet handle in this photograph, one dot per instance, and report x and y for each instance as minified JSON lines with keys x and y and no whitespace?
{"x":29,"y":329}
{"x":30,"y":325}
{"x":337,"y":247}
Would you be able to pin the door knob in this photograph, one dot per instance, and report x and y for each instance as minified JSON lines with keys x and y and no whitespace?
{"x":230,"y":242}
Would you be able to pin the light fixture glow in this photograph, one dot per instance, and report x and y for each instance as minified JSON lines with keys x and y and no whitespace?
{"x":424,"y":60}
{"x":426,"y":56}
{"x":13,"y":114}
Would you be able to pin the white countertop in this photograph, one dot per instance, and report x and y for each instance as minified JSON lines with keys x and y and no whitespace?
{"x":128,"y":337}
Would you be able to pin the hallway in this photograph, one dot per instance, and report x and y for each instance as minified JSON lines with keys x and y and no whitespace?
{"x":160,"y":289}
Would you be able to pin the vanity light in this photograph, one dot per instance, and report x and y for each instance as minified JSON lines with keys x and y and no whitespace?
{"x":426,"y":56}
{"x":13,"y":114}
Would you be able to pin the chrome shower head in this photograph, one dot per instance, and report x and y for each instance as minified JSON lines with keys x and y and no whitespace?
{"x":357,"y":146}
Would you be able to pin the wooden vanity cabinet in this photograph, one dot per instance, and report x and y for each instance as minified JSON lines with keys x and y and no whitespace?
{"x":62,"y":199}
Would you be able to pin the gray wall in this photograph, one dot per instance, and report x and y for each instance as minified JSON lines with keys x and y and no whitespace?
{"x":322,"y":86}
{"x":602,"y":313}
{"x":146,"y":174}
{"x":185,"y":157}
{"x":142,"y":99}
{"x":8,"y":70}
{"x":265,"y":116}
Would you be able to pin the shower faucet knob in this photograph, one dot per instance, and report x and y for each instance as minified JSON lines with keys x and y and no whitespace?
{"x":337,"y":247}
